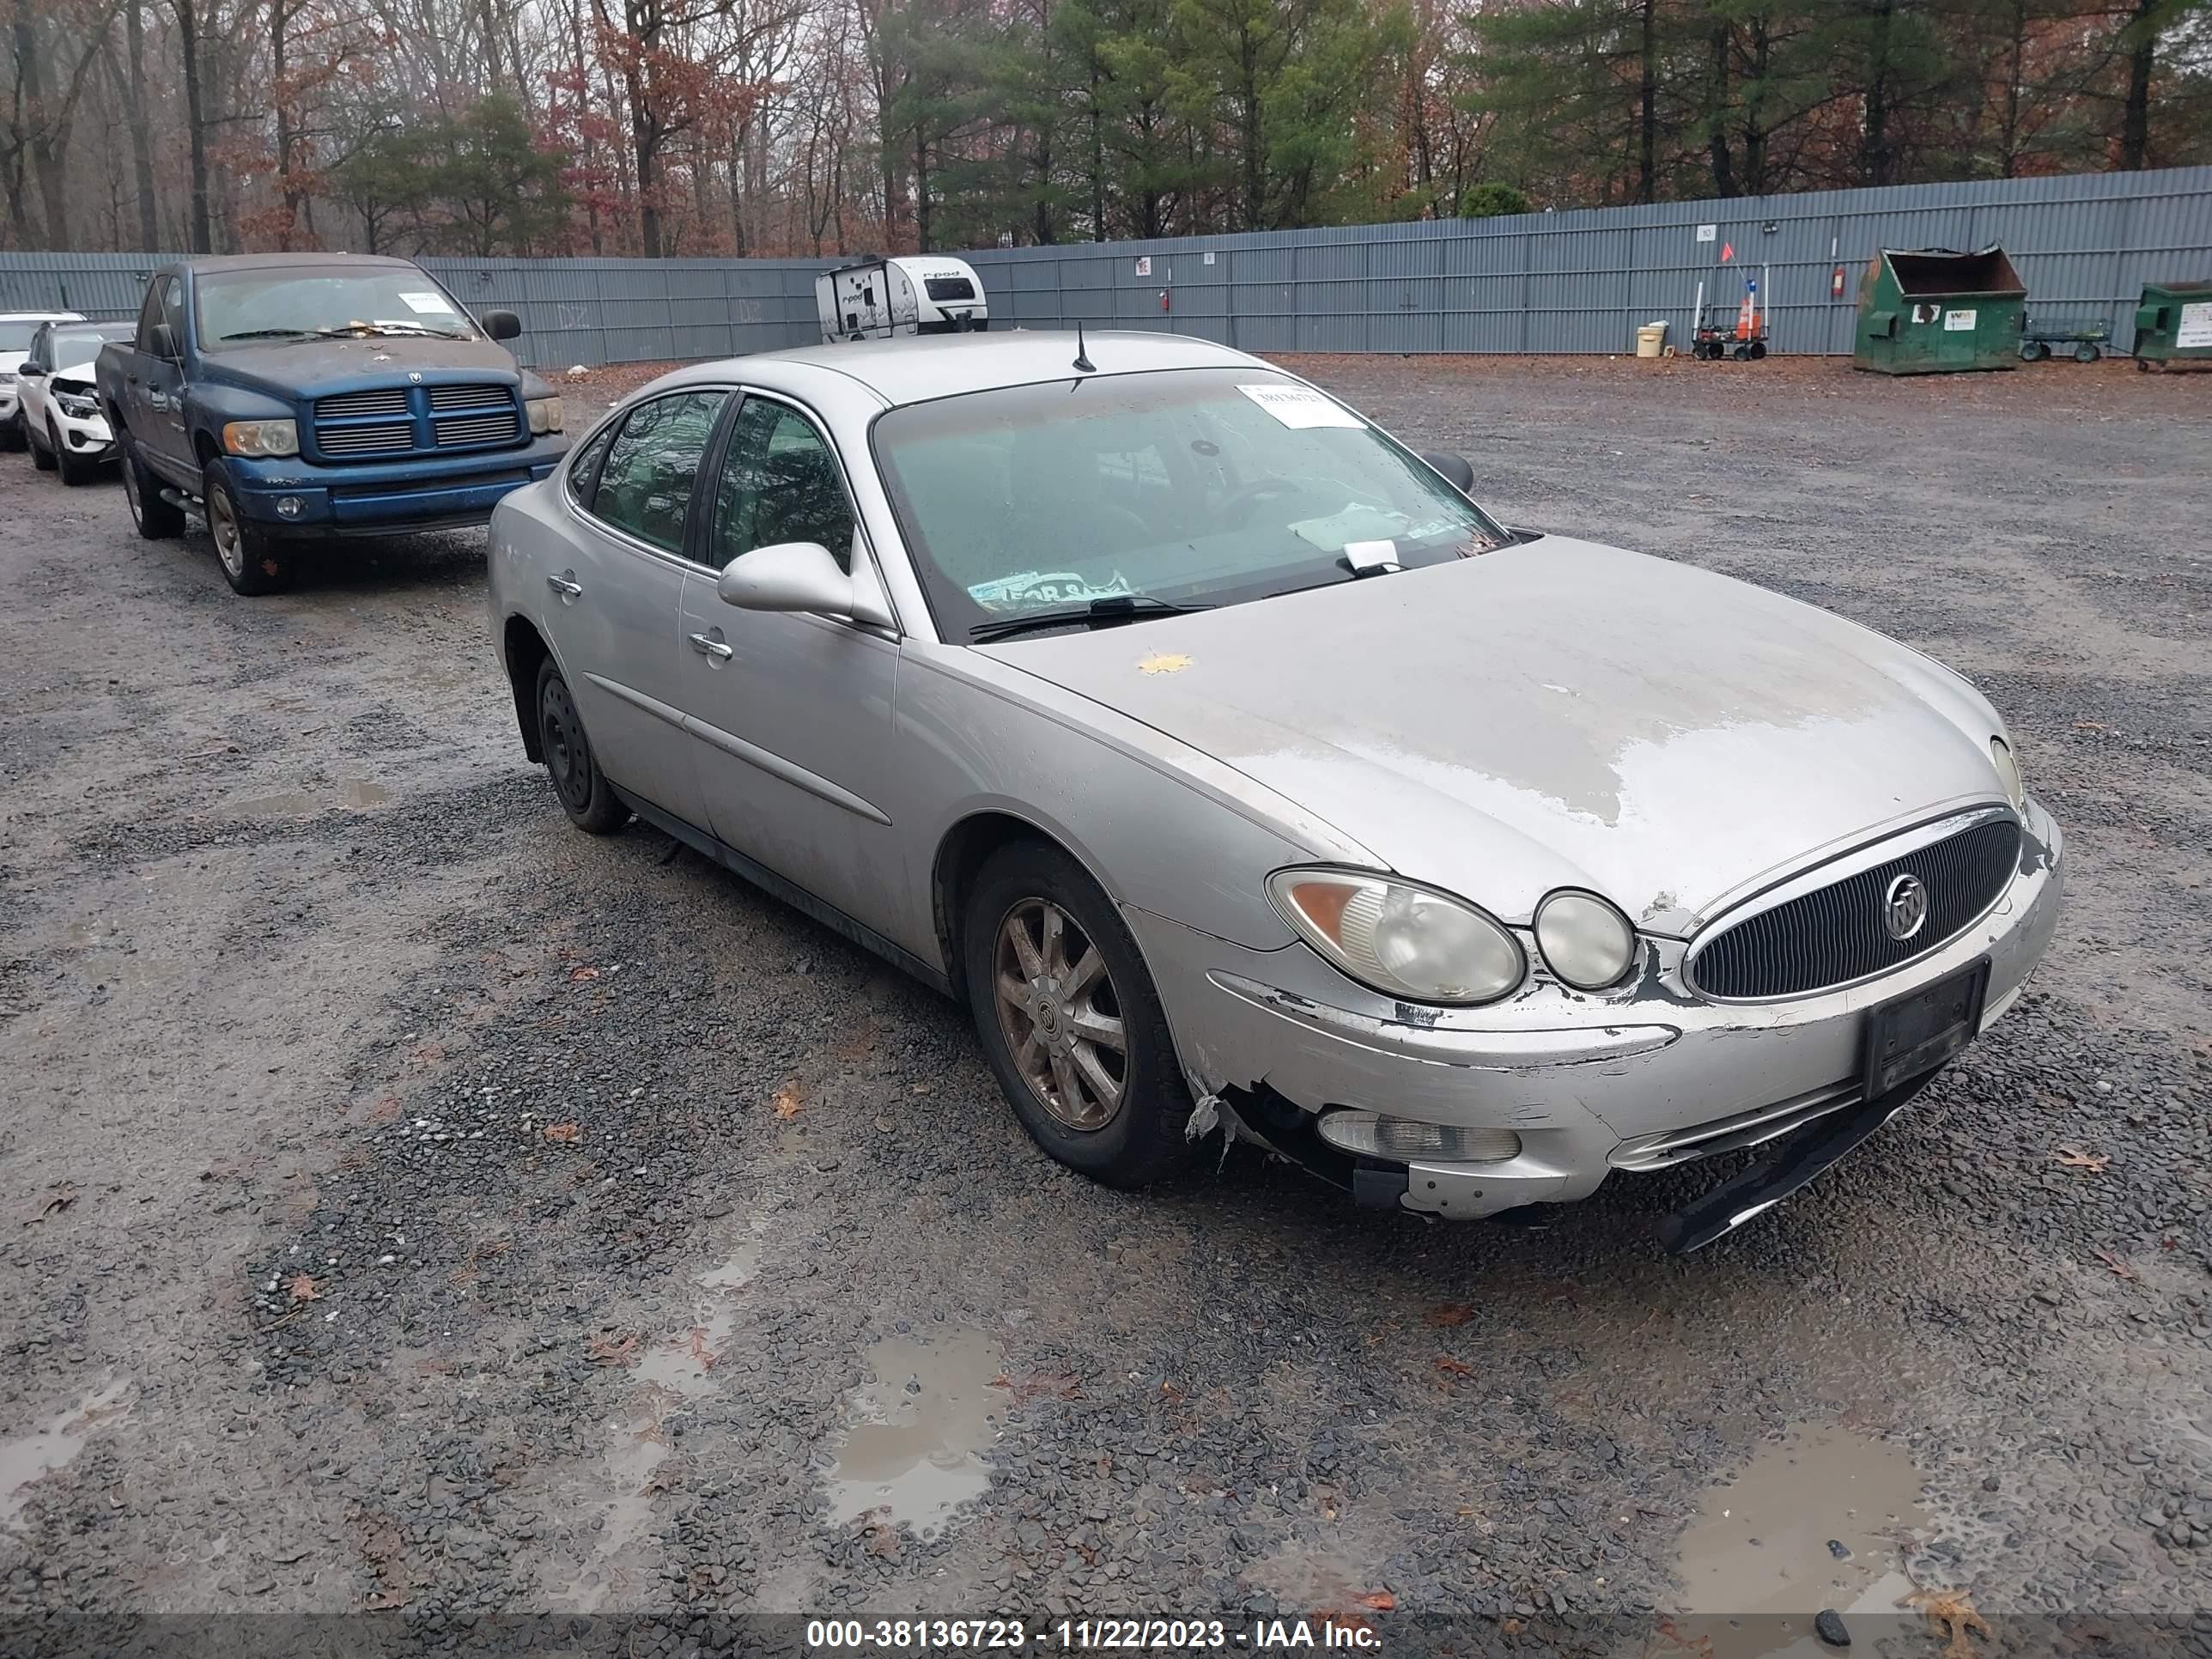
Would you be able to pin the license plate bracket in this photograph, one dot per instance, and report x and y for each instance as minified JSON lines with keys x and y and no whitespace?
{"x":1915,"y":1033}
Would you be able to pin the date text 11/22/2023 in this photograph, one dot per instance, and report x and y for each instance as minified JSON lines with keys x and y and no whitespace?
{"x":833,"y":1636}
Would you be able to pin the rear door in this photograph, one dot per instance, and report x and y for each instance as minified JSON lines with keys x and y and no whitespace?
{"x":616,"y":589}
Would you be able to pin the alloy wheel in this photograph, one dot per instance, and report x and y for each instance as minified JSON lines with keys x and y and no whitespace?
{"x":222,"y":525}
{"x":1060,"y":1015}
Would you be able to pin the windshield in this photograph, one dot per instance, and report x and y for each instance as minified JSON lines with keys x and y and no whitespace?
{"x":72,"y":347}
{"x":1197,"y":487}
{"x":305,"y":301}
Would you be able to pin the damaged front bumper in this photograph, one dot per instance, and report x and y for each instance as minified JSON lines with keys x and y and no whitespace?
{"x":1642,"y":1078}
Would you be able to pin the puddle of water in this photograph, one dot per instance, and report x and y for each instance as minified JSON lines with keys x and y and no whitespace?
{"x":354,"y":793}
{"x":915,"y":1435}
{"x":27,"y":1460}
{"x":1757,"y":1560}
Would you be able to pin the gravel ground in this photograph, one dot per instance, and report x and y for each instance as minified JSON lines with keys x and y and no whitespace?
{"x":407,"y":1203}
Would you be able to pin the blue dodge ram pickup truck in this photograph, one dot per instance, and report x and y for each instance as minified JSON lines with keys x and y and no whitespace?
{"x":294,"y":397}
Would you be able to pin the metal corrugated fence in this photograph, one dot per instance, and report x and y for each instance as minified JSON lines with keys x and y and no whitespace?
{"x":1578,"y":282}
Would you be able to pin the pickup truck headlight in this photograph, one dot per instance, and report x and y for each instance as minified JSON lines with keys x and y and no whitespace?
{"x":1402,"y":940}
{"x":261,"y":438}
{"x":544,"y":415}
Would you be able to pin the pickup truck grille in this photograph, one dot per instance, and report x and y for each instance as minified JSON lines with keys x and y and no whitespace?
{"x":384,"y":421}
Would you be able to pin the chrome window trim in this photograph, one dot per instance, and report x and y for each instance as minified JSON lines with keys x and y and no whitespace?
{"x":1843,"y":868}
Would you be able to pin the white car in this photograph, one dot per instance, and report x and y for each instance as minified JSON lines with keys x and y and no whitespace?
{"x":16,"y":328}
{"x":59,"y":404}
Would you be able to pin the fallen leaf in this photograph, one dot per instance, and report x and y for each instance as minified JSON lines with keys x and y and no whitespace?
{"x":609,"y":1349}
{"x":1164,"y":662}
{"x":1037,"y":1385}
{"x":1451,"y":1367}
{"x":1449,"y":1315}
{"x":2073,"y":1158}
{"x":1956,"y":1615}
{"x":1381,"y":1601}
{"x":787,"y":1103}
{"x":305,"y":1289}
{"x":2117,"y":1264}
{"x":1337,"y":1619}
{"x":561,"y":1132}
{"x":577,"y":975}
{"x":700,"y":1350}
{"x":883,"y":1543}
{"x":1509,"y":1627}
{"x":54,"y":1206}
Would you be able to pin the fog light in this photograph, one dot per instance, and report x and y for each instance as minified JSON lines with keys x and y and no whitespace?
{"x":289,"y":507}
{"x":1373,"y":1134}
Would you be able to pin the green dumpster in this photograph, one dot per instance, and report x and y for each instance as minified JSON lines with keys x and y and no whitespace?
{"x":2173,"y":323}
{"x":1933,"y":311}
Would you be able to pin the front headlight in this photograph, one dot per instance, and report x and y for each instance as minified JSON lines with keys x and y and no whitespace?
{"x":544,"y":415}
{"x":261,"y":438}
{"x":77,"y":405}
{"x":1586,"y":941}
{"x":7,"y":377}
{"x":2008,"y":772}
{"x":1402,"y":940}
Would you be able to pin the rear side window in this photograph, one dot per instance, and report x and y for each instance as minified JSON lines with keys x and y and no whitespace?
{"x":645,"y":482}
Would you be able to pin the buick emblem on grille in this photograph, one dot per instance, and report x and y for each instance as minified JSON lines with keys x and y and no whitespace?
{"x":1904,"y":908}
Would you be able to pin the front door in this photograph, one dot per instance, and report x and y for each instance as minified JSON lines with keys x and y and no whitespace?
{"x":154,"y":391}
{"x":791,"y":711}
{"x":615,"y":594}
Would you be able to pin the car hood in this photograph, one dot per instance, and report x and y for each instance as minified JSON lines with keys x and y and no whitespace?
{"x":1557,"y":713}
{"x":84,"y":371}
{"x":316,"y":367}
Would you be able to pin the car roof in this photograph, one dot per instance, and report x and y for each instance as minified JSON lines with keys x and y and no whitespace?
{"x":211,"y":262}
{"x":916,"y":368}
{"x":43,"y":317}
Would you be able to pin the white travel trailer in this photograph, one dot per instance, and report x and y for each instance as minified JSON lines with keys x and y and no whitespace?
{"x":924,"y":294}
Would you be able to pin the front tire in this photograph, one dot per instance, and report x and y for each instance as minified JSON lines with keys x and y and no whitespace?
{"x":157,"y":518}
{"x":585,"y":795}
{"x":74,"y":469}
{"x":253,"y":560}
{"x":1070,"y":1021}
{"x":41,"y":456}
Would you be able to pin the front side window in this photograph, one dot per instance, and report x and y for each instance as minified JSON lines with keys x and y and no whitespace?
{"x":1201,"y":487}
{"x":150,"y":315}
{"x":307,"y":303}
{"x":780,"y":482}
{"x":645,"y":483}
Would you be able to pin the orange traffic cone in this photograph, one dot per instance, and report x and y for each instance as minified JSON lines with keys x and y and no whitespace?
{"x":1744,"y":318}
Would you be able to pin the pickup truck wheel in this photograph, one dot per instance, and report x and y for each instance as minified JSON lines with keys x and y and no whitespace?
{"x":75,"y":470}
{"x":586,"y":796}
{"x":41,"y":456}
{"x":251,"y":559}
{"x":157,"y":519}
{"x":1069,"y":1019}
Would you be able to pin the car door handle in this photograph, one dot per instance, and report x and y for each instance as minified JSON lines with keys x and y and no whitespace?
{"x":707,"y":647}
{"x":564,"y":587}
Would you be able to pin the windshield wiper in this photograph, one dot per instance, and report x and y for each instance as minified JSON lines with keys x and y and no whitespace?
{"x":1114,"y":608}
{"x":273,"y":334}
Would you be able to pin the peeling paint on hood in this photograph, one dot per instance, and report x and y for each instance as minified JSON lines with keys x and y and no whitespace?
{"x":1556,"y":713}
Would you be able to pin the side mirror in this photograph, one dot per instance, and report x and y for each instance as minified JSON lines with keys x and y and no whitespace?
{"x":30,"y":371}
{"x":501,"y":325}
{"x":161,"y":341}
{"x":1457,"y":471}
{"x":800,"y":576}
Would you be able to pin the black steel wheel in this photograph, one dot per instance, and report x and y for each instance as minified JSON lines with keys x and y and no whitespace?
{"x":2086,"y":353}
{"x":584,"y":793}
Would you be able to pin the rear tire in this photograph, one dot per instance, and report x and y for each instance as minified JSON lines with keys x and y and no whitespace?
{"x":158,"y":520}
{"x":585,"y":795}
{"x":11,"y":432}
{"x":253,"y":560}
{"x":1068,"y":1017}
{"x":74,"y":469}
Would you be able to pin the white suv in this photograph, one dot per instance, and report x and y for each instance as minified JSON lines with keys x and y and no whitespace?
{"x":16,"y":328}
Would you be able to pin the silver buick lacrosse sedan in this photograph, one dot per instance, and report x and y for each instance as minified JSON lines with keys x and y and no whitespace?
{"x":1242,"y":774}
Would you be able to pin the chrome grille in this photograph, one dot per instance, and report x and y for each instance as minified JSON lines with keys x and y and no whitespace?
{"x":455,"y":429}
{"x":1835,"y":935}
{"x":443,"y":398}
{"x":394,"y":439}
{"x":383,"y":400}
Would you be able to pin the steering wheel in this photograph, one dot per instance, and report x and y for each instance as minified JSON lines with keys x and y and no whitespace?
{"x":1239,"y":505}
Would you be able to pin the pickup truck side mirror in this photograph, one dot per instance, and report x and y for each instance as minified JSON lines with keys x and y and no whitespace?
{"x":1456,"y":469}
{"x":161,"y":341}
{"x":799,"y":576}
{"x":501,"y":325}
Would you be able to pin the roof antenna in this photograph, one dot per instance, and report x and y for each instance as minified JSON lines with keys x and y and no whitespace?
{"x":1082,"y":357}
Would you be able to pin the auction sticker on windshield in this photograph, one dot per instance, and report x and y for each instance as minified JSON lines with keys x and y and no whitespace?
{"x":1300,"y":406}
{"x":429,"y":305}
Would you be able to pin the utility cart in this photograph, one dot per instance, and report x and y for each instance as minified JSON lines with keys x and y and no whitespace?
{"x":1742,"y":336}
{"x":2081,"y":339}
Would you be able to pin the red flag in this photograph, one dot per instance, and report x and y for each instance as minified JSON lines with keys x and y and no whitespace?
{"x":1728,"y":251}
